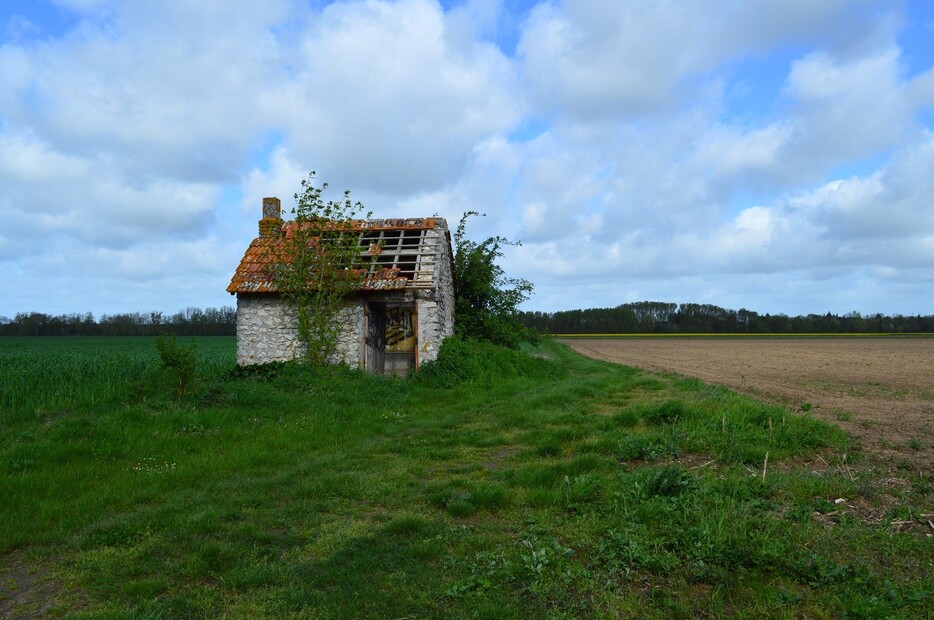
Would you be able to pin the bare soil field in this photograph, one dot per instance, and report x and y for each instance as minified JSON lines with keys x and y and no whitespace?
{"x":879,"y":389}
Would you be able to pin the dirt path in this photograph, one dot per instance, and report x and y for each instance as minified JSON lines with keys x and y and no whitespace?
{"x":879,"y":389}
{"x":28,"y":589}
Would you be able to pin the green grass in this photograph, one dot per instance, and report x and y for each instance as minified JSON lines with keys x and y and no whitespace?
{"x":52,"y":376}
{"x":493,"y":485}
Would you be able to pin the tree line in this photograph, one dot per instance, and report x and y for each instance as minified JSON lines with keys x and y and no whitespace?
{"x":655,"y":317}
{"x":188,"y":322}
{"x":644,"y":317}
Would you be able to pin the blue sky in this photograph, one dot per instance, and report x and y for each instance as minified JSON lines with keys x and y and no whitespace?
{"x":768,"y":155}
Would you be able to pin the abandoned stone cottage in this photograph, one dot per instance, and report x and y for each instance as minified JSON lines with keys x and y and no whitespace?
{"x":396,"y":321}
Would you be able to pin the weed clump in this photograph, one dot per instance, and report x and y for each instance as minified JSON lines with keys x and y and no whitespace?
{"x":668,"y":481}
{"x":668,"y":412}
{"x":462,"y":499}
{"x":260,"y":372}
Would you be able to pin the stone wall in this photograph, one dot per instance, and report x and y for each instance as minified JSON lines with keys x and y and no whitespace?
{"x":436,"y":307}
{"x":349,"y":348}
{"x":267,"y":332}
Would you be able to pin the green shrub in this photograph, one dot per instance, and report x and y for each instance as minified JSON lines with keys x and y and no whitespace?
{"x":476,"y":361}
{"x":179,"y":360}
{"x":485,"y":300}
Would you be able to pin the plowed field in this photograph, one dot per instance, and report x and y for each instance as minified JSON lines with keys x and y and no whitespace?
{"x":879,"y":389}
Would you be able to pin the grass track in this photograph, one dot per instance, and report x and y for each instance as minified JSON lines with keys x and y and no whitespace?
{"x":757,"y":335}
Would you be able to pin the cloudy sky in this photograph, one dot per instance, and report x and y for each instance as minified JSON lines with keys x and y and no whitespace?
{"x":776,"y":155}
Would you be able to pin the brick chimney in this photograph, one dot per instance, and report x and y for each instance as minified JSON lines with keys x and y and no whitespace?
{"x":271,"y":224}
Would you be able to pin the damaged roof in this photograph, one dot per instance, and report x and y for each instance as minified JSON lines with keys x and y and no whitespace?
{"x":395,"y":254}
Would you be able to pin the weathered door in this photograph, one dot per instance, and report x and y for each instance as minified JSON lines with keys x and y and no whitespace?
{"x":376,"y":337}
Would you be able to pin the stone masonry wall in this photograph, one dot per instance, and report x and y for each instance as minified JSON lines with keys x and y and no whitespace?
{"x":267,"y":332}
{"x":349,"y":348}
{"x":436,"y":307}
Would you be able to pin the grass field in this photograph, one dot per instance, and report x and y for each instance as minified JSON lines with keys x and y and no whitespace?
{"x":46,"y":375}
{"x":495,"y":485}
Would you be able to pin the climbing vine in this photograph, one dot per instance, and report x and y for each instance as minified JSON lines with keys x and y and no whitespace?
{"x":315,"y":270}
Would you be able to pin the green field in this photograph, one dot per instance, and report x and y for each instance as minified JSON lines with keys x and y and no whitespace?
{"x":494,"y":485}
{"x":47,"y":375}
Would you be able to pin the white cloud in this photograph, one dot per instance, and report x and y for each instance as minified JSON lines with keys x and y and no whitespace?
{"x":879,"y":220}
{"x":668,"y":183}
{"x":389,"y":100}
{"x":485,"y":187}
{"x":48,"y":193}
{"x":752,"y":231}
{"x":282,"y":178}
{"x":135,"y":148}
{"x":158,"y":86}
{"x":892,"y":204}
{"x":843,"y":227}
{"x":24,"y":159}
{"x":849,"y":108}
{"x":609,"y":58}
{"x":727,"y":150}
{"x":921,"y":90}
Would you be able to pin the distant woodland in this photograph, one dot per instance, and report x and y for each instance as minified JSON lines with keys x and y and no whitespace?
{"x":655,"y":317}
{"x":644,"y":317}
{"x":188,"y":322}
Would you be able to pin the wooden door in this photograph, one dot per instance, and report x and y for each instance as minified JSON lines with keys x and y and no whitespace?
{"x":376,"y":337}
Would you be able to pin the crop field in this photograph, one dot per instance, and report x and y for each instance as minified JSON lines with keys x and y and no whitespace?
{"x":493,"y":484}
{"x":880,"y":389}
{"x":44,"y":375}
